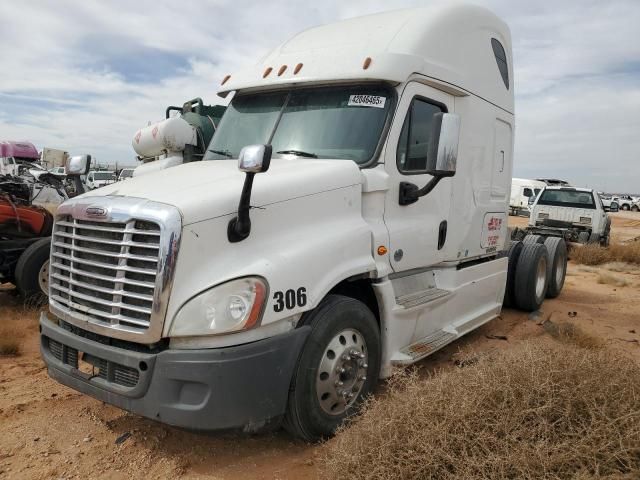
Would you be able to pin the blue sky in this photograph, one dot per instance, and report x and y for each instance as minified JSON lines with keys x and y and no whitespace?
{"x":84,"y":76}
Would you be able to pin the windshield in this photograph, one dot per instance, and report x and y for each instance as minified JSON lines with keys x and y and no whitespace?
{"x":567,"y":198}
{"x":104,"y":176}
{"x":126,"y":173}
{"x":331,"y":122}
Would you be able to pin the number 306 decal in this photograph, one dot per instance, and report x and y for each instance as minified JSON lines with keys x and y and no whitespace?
{"x":289,"y":299}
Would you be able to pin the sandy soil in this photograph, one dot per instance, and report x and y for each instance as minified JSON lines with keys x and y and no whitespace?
{"x":50,"y":431}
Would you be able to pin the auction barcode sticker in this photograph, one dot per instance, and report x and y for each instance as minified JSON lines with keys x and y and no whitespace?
{"x":366,"y":101}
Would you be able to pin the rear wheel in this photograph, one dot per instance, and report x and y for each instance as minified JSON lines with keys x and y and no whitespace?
{"x":533,"y":239}
{"x":557,"y":266}
{"x":32,"y":271}
{"x":624,"y":206}
{"x":513,"y":254}
{"x":337,"y":369}
{"x":635,"y":208}
{"x":531,"y":277}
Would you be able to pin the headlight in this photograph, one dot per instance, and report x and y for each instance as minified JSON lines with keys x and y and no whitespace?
{"x":230,"y":307}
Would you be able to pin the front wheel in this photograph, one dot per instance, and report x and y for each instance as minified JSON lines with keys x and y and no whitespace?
{"x":32,"y":271}
{"x":337,"y":369}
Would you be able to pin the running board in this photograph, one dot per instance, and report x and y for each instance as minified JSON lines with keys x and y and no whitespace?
{"x":414,"y":299}
{"x":423,"y":347}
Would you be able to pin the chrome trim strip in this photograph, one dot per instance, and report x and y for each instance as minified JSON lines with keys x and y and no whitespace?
{"x":120,"y":210}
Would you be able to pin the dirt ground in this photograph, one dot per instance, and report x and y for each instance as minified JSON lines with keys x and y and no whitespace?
{"x":49,"y":431}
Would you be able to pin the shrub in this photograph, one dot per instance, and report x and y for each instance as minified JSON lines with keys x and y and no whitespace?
{"x":526,"y":413}
{"x":597,"y":255}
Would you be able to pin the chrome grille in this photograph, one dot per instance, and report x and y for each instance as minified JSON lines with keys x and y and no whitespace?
{"x":106,"y":271}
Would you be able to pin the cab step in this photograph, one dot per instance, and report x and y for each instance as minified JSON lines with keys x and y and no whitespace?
{"x":423,"y":347}
{"x":421,"y":297}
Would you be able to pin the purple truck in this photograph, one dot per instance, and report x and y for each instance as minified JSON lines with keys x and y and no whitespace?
{"x":13,"y":154}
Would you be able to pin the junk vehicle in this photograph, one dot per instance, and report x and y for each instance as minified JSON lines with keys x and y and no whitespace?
{"x":15,"y":156}
{"x":99,"y":178}
{"x":609,"y":202}
{"x":27,"y":204}
{"x":53,"y":158}
{"x":523,"y":191}
{"x":349,"y":216}
{"x":627,"y":202}
{"x":574,"y":214}
{"x":176,"y":139}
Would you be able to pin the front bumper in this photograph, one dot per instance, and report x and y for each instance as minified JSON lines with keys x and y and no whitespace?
{"x":241,"y":387}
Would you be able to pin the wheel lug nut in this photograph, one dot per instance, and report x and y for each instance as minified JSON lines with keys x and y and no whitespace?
{"x":339,"y":383}
{"x":362,"y":377}
{"x":361,"y":355}
{"x":364,"y":365}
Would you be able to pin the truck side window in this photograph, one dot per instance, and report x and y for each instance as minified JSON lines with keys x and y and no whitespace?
{"x":527,"y":192}
{"x":411,"y":155}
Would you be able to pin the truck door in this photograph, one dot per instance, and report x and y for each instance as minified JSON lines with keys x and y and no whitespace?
{"x":417,"y":232}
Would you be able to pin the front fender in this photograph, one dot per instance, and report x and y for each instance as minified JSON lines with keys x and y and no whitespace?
{"x":311,"y":242}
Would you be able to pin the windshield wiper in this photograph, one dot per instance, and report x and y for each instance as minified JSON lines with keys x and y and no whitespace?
{"x":224,"y":153}
{"x":299,"y":153}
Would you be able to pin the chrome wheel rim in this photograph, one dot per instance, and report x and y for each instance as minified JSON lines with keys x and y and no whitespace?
{"x":541,"y":277}
{"x":43,"y":278}
{"x":342,"y":372}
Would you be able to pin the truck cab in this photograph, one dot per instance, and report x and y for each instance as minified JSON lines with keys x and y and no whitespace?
{"x":349,"y":216}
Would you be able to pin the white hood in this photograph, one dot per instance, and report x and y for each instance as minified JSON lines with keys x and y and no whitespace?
{"x":209,"y":189}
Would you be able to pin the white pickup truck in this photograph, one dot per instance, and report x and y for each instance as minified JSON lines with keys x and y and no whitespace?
{"x":576,"y":214}
{"x":349,"y":216}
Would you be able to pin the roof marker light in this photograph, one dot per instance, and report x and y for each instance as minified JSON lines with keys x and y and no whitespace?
{"x":297,"y":69}
{"x":225,"y":79}
{"x":367,"y":62}
{"x":267,"y":71}
{"x":282,"y":69}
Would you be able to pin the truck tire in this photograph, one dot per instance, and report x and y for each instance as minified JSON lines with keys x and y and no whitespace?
{"x":624,"y":206}
{"x":32,"y":271}
{"x":635,"y":208}
{"x":513,"y":253}
{"x":557,"y":266}
{"x":338,"y":367}
{"x":531,"y":277}
{"x":533,"y":239}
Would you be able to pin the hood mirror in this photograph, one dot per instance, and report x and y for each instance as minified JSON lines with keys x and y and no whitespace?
{"x":255,"y":158}
{"x":252,"y":159}
{"x":77,"y":165}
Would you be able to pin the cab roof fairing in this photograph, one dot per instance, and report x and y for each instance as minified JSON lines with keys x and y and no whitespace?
{"x":450,"y":44}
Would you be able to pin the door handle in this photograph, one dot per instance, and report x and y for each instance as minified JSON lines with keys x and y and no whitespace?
{"x":442,"y":234}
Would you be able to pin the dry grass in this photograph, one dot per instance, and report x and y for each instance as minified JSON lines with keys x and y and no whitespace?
{"x":16,"y":322}
{"x":532,"y":412}
{"x":616,"y":252}
{"x":571,"y":334}
{"x":605,"y":278}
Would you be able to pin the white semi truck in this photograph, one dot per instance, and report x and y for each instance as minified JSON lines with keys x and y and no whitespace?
{"x":349,"y":216}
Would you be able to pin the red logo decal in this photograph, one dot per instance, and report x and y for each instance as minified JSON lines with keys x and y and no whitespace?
{"x":137,"y":137}
{"x":494,"y":224}
{"x":154,"y":132}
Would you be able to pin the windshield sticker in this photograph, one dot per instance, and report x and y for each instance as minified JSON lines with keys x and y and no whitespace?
{"x":366,"y":101}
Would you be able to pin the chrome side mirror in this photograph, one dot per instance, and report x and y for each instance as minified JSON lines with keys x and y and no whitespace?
{"x":252,"y":159}
{"x":442,"y":153}
{"x":255,"y":158}
{"x":77,"y":165}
